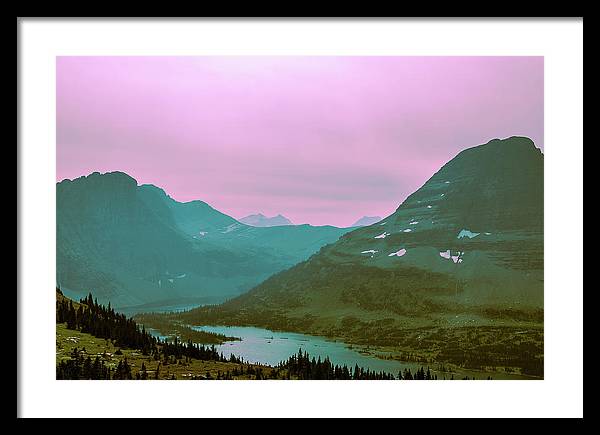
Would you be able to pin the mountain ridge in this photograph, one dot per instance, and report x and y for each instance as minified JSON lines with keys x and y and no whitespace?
{"x":134,"y":244}
{"x":260,"y":220}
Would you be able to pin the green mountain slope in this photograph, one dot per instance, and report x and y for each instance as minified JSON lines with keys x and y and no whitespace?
{"x":464,"y":249}
{"x":135,"y":245}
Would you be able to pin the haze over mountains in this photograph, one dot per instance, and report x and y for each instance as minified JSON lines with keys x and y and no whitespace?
{"x":136,"y":245}
{"x":366,"y":221}
{"x":260,"y":220}
{"x":464,"y":249}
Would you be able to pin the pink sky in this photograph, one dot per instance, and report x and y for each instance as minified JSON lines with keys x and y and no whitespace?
{"x":321,"y":140}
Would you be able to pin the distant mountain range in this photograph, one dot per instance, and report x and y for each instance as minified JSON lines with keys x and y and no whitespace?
{"x":260,"y":220}
{"x":135,"y":245}
{"x":464,"y":249}
{"x":366,"y":221}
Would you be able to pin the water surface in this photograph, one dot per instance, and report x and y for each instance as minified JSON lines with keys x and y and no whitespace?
{"x":271,"y":347}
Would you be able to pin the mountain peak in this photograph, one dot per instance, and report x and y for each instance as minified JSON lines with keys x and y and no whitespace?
{"x":100,"y":184}
{"x":496,"y":185}
{"x":260,"y":220}
{"x":507,"y":147}
{"x":112,"y":176}
{"x":515,"y":140}
{"x":366,"y":221}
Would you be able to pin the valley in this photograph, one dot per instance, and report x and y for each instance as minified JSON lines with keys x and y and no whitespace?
{"x":454,"y":275}
{"x":135,"y":246}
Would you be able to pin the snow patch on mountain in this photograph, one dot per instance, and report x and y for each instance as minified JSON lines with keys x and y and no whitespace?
{"x":231,"y":228}
{"x":457,"y":258}
{"x":382,"y":236}
{"x":467,"y":233}
{"x":398,"y":253}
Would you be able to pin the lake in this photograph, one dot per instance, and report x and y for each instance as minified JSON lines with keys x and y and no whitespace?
{"x":271,"y":347}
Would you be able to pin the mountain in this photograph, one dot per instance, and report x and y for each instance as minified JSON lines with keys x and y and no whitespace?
{"x":260,"y":220}
{"x":366,"y":221}
{"x":464,"y":250}
{"x":135,"y":245}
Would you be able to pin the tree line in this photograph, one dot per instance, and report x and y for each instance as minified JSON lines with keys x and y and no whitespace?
{"x":103,"y":322}
{"x":302,"y":366}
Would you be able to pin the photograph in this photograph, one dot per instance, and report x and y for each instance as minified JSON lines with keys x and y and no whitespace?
{"x":300,"y":218}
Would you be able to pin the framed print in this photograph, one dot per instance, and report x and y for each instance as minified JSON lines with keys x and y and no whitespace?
{"x":266,"y":212}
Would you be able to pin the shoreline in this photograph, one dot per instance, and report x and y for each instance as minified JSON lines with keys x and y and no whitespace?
{"x":386,"y":354}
